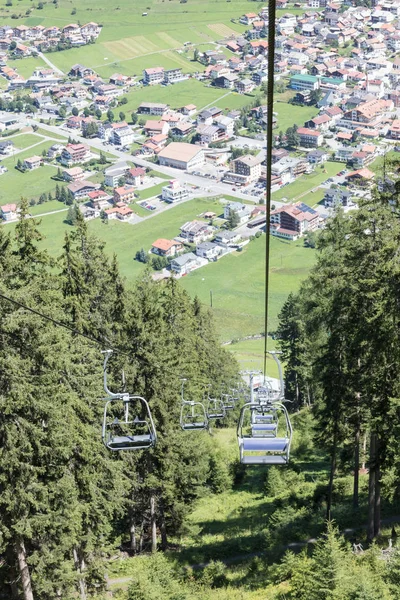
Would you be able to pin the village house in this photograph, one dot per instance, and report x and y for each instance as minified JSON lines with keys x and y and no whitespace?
{"x":182,"y":156}
{"x":73,"y":174}
{"x":122,"y":213}
{"x":294,"y":220}
{"x":242,"y":211}
{"x":208,"y":250}
{"x":9,"y":212}
{"x":163,"y":247}
{"x":135,"y":176}
{"x":125,"y":193}
{"x":181,"y":265}
{"x":34,"y":162}
{"x":153,"y":76}
{"x":81,"y":189}
{"x":309,"y":137}
{"x":196,"y":231}
{"x":156,"y":127}
{"x":174,"y":192}
{"x":75,"y":153}
{"x":152,"y":108}
{"x":99,"y":200}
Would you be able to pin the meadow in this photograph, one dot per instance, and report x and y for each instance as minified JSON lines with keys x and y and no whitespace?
{"x":304,"y":184}
{"x":31,"y":184}
{"x":237,"y":285}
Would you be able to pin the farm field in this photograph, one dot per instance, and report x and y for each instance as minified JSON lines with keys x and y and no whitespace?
{"x":15,"y":184}
{"x":185,"y":92}
{"x":237,"y":284}
{"x":305,"y":183}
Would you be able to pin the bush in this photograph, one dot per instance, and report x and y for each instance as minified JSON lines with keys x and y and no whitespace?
{"x":213,"y":575}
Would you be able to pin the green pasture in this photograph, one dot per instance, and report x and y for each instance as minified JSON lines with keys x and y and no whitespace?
{"x":186,"y":92}
{"x":237,"y":285}
{"x":289,"y":115}
{"x":31,"y":184}
{"x":26,"y":66}
{"x":24,"y":140}
{"x":306,"y":183}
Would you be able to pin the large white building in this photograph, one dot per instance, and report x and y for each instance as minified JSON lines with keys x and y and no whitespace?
{"x":174,"y":192}
{"x":182,"y":156}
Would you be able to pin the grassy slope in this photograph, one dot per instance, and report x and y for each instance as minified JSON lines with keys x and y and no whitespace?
{"x":15,"y":184}
{"x":237,"y":284}
{"x":305,"y":183}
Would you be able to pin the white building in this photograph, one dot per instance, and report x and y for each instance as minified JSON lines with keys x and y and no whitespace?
{"x":174,"y":192}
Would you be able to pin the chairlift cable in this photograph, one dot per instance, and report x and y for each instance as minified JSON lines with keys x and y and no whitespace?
{"x":268,"y":164}
{"x":60,"y":324}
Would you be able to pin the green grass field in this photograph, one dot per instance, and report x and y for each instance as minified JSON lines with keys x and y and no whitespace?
{"x":237,"y":285}
{"x":25,"y":140}
{"x":15,"y":184}
{"x":185,"y":92}
{"x":289,"y":115}
{"x":306,"y":183}
{"x":26,"y":66}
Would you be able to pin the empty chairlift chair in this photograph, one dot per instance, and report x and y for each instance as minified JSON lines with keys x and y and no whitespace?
{"x":264,"y":423}
{"x":227,"y":401}
{"x":193,"y":414}
{"x":127,"y":421}
{"x":128,"y":424}
{"x":259,"y":447}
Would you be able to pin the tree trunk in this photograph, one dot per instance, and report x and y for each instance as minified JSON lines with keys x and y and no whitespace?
{"x":163,"y":529}
{"x":141,"y":538}
{"x":153,"y":524}
{"x":377,"y":503}
{"x":371,"y":491}
{"x":80,"y":566}
{"x":24,"y":570}
{"x":364,"y":450}
{"x":132,"y":533}
{"x":356,"y":466}
{"x":331,"y":476}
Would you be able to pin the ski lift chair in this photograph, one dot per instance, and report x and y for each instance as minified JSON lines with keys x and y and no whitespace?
{"x":127,"y":420}
{"x":128,"y":424}
{"x":264,"y":423}
{"x":193,"y":414}
{"x":227,"y":402}
{"x":214,"y":407}
{"x":264,"y":449}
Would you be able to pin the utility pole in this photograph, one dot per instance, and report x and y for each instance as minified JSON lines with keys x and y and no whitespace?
{"x":211,"y":298}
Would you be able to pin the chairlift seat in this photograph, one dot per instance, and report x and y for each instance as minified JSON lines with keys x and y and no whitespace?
{"x":268,"y":444}
{"x":264,"y":427}
{"x":216,"y":415}
{"x":263,"y":418}
{"x":197,"y":425}
{"x":130,"y":441}
{"x":269,"y":459}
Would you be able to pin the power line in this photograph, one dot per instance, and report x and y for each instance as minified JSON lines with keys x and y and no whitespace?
{"x":60,"y":324}
{"x":270,"y":114}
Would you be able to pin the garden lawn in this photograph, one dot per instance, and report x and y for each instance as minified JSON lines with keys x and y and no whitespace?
{"x":31,"y":184}
{"x":304,"y":184}
{"x":24,"y":140}
{"x":151,"y":192}
{"x":237,"y":285}
{"x":289,"y":115}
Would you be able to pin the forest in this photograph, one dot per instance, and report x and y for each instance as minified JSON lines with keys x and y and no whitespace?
{"x":69,"y":506}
